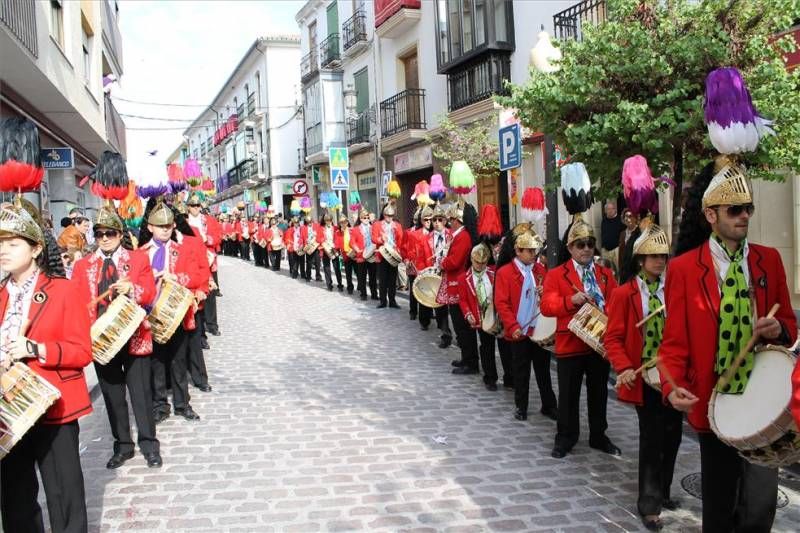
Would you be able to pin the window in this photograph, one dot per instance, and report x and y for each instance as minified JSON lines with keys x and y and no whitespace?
{"x":87,"y":56}
{"x":501,"y":23}
{"x":468,"y":28}
{"x":57,"y":22}
{"x":361,"y":83}
{"x":441,"y":29}
{"x":454,"y":24}
{"x":480,"y":26}
{"x":466,"y":25}
{"x":258,"y":90}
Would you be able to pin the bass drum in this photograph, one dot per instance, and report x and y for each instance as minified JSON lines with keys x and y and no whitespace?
{"x":426,"y":286}
{"x":544,"y":334}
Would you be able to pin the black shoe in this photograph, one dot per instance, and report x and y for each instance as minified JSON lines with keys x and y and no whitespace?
{"x":491,"y":386}
{"x":317,"y":279}
{"x":160,"y":416}
{"x":444,"y":343}
{"x":373,"y":297}
{"x":393,"y":305}
{"x":330,"y":288}
{"x":204,"y":344}
{"x":558,"y":453}
{"x":457,"y":363}
{"x":118,"y":459}
{"x":412,"y":316}
{"x":519,"y":414}
{"x":424,"y":327}
{"x":153,"y":459}
{"x":219,"y":294}
{"x":508,"y":385}
{"x":652,"y":524}
{"x":464,"y":371}
{"x":204,"y":388}
{"x":550,"y":412}
{"x":187,"y":413}
{"x":340,"y":288}
{"x":380,"y":306}
{"x":349,"y":291}
{"x":606,"y":446}
{"x":670,"y":504}
{"x":215,"y":332}
{"x":363,"y":297}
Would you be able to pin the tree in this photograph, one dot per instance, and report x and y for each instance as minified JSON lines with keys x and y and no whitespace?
{"x":475,"y":143}
{"x":635,"y":84}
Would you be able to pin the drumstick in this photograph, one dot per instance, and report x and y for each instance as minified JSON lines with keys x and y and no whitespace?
{"x":728,"y":374}
{"x":648,"y":317}
{"x":666,"y":374}
{"x":590,"y":302}
{"x":103,"y":296}
{"x":652,"y":362}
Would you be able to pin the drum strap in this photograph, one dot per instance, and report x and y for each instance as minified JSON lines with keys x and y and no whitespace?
{"x":655,"y":326}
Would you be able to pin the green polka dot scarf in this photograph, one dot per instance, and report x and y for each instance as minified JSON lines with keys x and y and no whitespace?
{"x":654,"y":327}
{"x":735,"y":322}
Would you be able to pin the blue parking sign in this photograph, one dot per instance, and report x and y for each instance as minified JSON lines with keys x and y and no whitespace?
{"x":510,"y":147}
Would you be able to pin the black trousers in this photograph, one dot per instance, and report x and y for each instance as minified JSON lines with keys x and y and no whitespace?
{"x":413,"y":304}
{"x":131,"y":372}
{"x":245,"y":247}
{"x":737,"y":496}
{"x":54,"y":449}
{"x":442,"y":323}
{"x":504,"y":347}
{"x":210,"y":309}
{"x":312,"y":260}
{"x":469,"y":357}
{"x":275,"y":259}
{"x":372,"y":279}
{"x":570,"y":378}
{"x":294,"y":264}
{"x":387,"y":275}
{"x":265,"y":259}
{"x":258,"y":255}
{"x":327,"y":264}
{"x":349,"y":266}
{"x":523,"y":354}
{"x":472,"y":337}
{"x":366,"y":278}
{"x":171,"y":358}
{"x":660,"y":432}
{"x":197,"y":361}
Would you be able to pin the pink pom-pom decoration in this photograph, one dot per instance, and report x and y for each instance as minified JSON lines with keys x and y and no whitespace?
{"x":638,"y":186}
{"x":437,"y":191}
{"x":305,"y":204}
{"x":177,"y":181}
{"x":533,"y":204}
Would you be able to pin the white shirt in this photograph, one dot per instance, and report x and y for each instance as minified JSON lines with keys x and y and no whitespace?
{"x":114,"y":257}
{"x":482,"y":277}
{"x":199,"y":223}
{"x":645,"y":294}
{"x":328,"y":233}
{"x":580,"y":270}
{"x":722,"y":262}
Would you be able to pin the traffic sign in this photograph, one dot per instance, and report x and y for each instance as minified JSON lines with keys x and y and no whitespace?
{"x":510,"y":147}
{"x":338,"y":158}
{"x":300,"y":188}
{"x":386,"y":177}
{"x":340,"y":179}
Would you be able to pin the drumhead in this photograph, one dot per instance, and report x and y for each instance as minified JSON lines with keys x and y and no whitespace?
{"x":545,"y":328}
{"x":767,"y":395}
{"x":652,"y":377}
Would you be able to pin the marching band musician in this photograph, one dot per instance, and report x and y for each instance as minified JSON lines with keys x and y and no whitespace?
{"x":517,"y":298}
{"x":259,"y":252}
{"x":388,"y":232}
{"x":329,"y":243}
{"x":41,"y":329}
{"x":719,"y":289}
{"x":342,"y":238}
{"x":249,"y":227}
{"x":116,"y":266}
{"x":628,"y":348}
{"x":416,"y":256}
{"x":433,"y":250}
{"x":452,"y":264}
{"x":238,"y":250}
{"x":566,"y":289}
{"x":311,"y":232}
{"x":291,"y":239}
{"x":170,"y":260}
{"x":209,"y":231}
{"x":274,"y":238}
{"x":361,"y":241}
{"x":227,"y":234}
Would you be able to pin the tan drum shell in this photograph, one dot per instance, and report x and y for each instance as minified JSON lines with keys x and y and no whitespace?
{"x":115,"y":327}
{"x":390,"y":254}
{"x":426,"y":286}
{"x":168,"y":312}
{"x":577,"y":326}
{"x":544,"y":334}
{"x":26,"y":396}
{"x":652,"y":377}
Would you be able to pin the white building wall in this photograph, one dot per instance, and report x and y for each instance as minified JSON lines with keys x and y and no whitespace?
{"x":528,"y":20}
{"x":283,"y":120}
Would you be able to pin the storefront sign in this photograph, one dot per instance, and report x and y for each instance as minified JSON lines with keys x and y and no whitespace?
{"x":226,"y":129}
{"x":413,"y":159}
{"x":57,"y":158}
{"x":366,"y":181}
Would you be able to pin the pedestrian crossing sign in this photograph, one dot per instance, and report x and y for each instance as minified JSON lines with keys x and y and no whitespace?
{"x":338,"y":158}
{"x":340,"y":179}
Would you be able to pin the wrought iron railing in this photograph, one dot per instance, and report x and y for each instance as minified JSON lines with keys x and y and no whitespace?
{"x":19,"y":16}
{"x":314,"y":138}
{"x":478,"y":80}
{"x":241,"y":172}
{"x":240,"y":113}
{"x":115,"y":127}
{"x":251,"y":104}
{"x":308,"y":65}
{"x":358,"y":128}
{"x":329,"y":55}
{"x":354,"y":30}
{"x":569,"y":23}
{"x":403,"y":111}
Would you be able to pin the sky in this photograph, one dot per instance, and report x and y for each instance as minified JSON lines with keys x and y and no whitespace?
{"x":181,"y":52}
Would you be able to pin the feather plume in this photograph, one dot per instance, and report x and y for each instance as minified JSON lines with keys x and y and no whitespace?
{"x":422,"y":193}
{"x":177,"y":181}
{"x":534,"y":208}
{"x":437,"y":191}
{"x":191,"y":168}
{"x":490,"y":227}
{"x":393,"y":189}
{"x":355,"y":201}
{"x":576,"y":188}
{"x":20,"y":157}
{"x":305,"y":204}
{"x":462,"y":181}
{"x":638,"y":186}
{"x":110,"y":177}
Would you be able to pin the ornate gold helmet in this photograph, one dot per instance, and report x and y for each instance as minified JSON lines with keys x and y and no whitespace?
{"x":480,"y":253}
{"x":729,"y":186}
{"x":521,"y":228}
{"x":528,"y":241}
{"x":427,"y":212}
{"x":108,"y":218}
{"x":363,"y":213}
{"x":194,"y":199}
{"x":456,"y":212}
{"x":580,"y":230}
{"x":652,"y":241}
{"x":15,"y":221}
{"x":389,"y":210}
{"x":342,"y":218}
{"x":439,"y":212}
{"x":161,"y":215}
{"x":181,"y":208}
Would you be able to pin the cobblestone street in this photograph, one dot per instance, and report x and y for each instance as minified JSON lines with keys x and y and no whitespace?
{"x":330,"y":415}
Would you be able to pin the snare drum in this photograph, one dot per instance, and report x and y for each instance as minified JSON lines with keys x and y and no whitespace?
{"x":544,"y":334}
{"x":369,"y":254}
{"x":171,"y":306}
{"x":589,"y":325}
{"x":390,"y":254}
{"x":26,"y":396}
{"x":115,"y":327}
{"x":426,"y":287}
{"x":652,"y":377}
{"x":758,"y":422}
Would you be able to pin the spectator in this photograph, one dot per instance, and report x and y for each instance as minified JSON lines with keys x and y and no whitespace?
{"x":74,"y":236}
{"x":610,"y":229}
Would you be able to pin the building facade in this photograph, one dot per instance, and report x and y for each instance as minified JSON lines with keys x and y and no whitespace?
{"x":55,"y":58}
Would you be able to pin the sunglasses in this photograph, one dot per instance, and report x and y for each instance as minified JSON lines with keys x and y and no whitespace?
{"x":194,"y":205}
{"x":734,"y":211}
{"x":427,"y":219}
{"x":584,"y":243}
{"x":100,"y":234}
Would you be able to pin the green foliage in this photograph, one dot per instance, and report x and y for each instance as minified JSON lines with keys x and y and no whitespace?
{"x":475,"y":143}
{"x":635,"y":85}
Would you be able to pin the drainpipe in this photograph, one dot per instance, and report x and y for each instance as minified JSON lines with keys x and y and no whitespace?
{"x":380,"y":161}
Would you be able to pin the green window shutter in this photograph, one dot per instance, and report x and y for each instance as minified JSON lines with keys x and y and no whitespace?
{"x":333,"y":18}
{"x":361,"y":79}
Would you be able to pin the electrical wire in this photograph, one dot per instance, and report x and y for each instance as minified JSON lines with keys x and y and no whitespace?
{"x":164,"y":104}
{"x":127,"y":128}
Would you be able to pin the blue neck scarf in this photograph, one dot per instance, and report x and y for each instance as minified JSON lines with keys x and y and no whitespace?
{"x":526,"y":314}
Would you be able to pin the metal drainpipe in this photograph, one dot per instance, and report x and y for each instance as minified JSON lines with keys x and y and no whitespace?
{"x":380,"y":161}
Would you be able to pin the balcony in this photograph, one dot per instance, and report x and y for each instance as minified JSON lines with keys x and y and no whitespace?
{"x":240,"y":113}
{"x":329,"y":56}
{"x":19,"y":17}
{"x":478,"y":80}
{"x":358,"y":128}
{"x":245,"y":170}
{"x":403,"y":119}
{"x":309,"y":66}
{"x":569,"y":23}
{"x":115,"y":128}
{"x":394,"y":18}
{"x":112,"y":37}
{"x":251,"y":105}
{"x":354,"y":34}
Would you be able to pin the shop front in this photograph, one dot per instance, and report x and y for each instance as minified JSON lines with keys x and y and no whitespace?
{"x":408,"y":168}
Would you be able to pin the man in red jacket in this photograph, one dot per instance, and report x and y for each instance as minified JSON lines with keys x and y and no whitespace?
{"x":387,"y":232}
{"x":453,"y":264}
{"x":127,"y":272}
{"x":567,"y":288}
{"x":718,"y":295}
{"x":432,"y":250}
{"x":208,"y":230}
{"x":311,"y":233}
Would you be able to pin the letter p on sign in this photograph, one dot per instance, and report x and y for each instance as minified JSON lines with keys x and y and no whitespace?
{"x":510,"y":147}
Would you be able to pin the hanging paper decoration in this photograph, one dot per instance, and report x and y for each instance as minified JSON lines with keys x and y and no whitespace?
{"x":305,"y":204}
{"x":576,"y":188}
{"x":224,"y":209}
{"x":332,"y":201}
{"x":734,"y":125}
{"x":177,"y":181}
{"x":638,"y":186}
{"x":323,"y":199}
{"x":437,"y":191}
{"x":20,"y":156}
{"x":192,"y":172}
{"x":462,"y":180}
{"x":393,"y":189}
{"x":294,"y":207}
{"x":533,"y":204}
{"x":490,"y":227}
{"x":355,"y":201}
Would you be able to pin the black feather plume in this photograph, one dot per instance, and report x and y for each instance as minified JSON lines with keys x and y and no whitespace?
{"x":111,"y":170}
{"x":19,"y":140}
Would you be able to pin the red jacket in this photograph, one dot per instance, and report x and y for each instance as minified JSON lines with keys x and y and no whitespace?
{"x":795,"y":404}
{"x":58,"y":321}
{"x":319,"y":235}
{"x":417,"y":249}
{"x":252,"y":228}
{"x":623,"y":343}
{"x":135,"y":267}
{"x":270,"y":233}
{"x":228,"y":230}
{"x":468,"y":295}
{"x":453,"y":264}
{"x":559,"y":286}
{"x":213,"y":233}
{"x":288,"y":238}
{"x":507,"y":295}
{"x":357,"y":242}
{"x":378,"y":228}
{"x":688,"y":351}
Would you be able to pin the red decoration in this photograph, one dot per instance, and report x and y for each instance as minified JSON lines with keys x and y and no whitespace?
{"x":20,"y":177}
{"x":489,"y":224}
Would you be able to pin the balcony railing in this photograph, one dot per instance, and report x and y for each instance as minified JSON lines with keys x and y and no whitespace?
{"x":384,"y":9}
{"x":478,"y":80}
{"x":354,"y":30}
{"x":358,"y":128}
{"x":314,"y":138}
{"x":19,"y":16}
{"x":329,"y":55}
{"x":241,"y":172}
{"x":112,"y":37}
{"x":308,"y":66}
{"x":569,"y":23}
{"x":251,"y":104}
{"x":240,"y":113}
{"x":403,"y":111}
{"x":115,"y":128}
